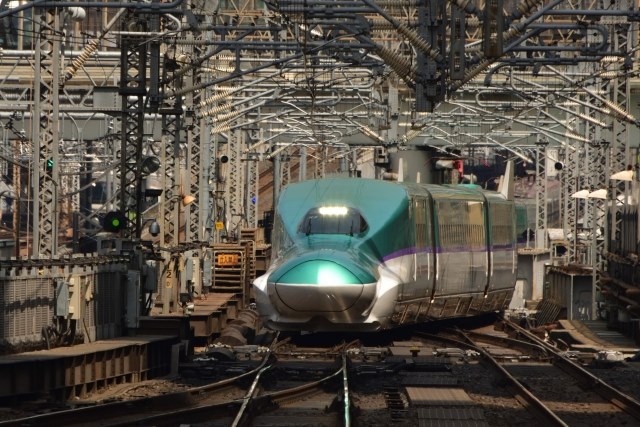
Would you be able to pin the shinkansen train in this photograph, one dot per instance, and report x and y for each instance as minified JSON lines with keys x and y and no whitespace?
{"x":354,"y":254}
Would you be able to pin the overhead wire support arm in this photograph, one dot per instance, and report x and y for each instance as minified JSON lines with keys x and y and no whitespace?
{"x":232,"y":76}
{"x":467,"y":6}
{"x":149,"y":7}
{"x":411,"y":34}
{"x":536,"y":29}
{"x":226,"y":45}
{"x":609,"y":108}
{"x":508,"y":35}
{"x":196,"y":63}
{"x":401,"y":66}
{"x":204,"y":85}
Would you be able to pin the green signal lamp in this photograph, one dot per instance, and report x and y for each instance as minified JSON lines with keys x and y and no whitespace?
{"x":114,"y":221}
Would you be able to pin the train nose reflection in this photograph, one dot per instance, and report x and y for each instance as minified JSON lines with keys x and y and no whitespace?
{"x":318,"y":285}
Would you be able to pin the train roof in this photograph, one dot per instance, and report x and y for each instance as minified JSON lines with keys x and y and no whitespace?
{"x":369,"y":194}
{"x":327,"y":188}
{"x":454,"y":191}
{"x":378,"y":200}
{"x":355,"y":192}
{"x":374,"y":198}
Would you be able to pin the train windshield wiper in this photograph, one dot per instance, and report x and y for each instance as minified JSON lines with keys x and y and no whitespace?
{"x":308,"y":226}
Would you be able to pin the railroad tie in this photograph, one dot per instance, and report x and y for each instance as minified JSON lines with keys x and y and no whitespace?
{"x":394,"y":402}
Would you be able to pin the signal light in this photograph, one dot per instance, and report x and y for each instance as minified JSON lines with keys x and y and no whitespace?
{"x":49,"y":164}
{"x":114,"y":221}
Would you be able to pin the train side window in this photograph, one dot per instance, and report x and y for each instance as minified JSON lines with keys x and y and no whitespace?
{"x":503,"y":225}
{"x":475,"y":218}
{"x":420,"y":215}
{"x":460,"y":223}
{"x":333,"y":220}
{"x":448,"y":215}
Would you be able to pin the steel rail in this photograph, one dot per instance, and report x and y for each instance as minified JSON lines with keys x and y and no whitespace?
{"x":283,"y":395}
{"x":242,"y":414}
{"x":247,"y":407}
{"x":511,"y":343}
{"x":522,"y":395}
{"x":345,"y":392}
{"x":623,"y":401}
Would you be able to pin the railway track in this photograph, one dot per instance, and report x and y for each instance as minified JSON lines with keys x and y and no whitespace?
{"x":129,"y":412}
{"x":552,"y":387}
{"x":614,"y":406}
{"x":215,"y":396}
{"x":495,"y":379}
{"x":305,"y":403}
{"x":310,"y":397}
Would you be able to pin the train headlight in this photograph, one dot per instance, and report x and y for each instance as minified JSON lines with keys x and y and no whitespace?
{"x":333,"y":210}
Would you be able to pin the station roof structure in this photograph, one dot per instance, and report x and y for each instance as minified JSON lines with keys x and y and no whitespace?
{"x":230,"y":95}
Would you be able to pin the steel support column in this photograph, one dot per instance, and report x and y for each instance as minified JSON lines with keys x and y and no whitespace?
{"x":235,"y":182}
{"x":251,"y":191}
{"x":45,"y":134}
{"x":170,"y":204}
{"x":541,"y":194}
{"x":624,"y":36}
{"x":133,"y":88}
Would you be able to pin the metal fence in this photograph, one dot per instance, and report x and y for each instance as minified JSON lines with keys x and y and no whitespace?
{"x":42,"y":305}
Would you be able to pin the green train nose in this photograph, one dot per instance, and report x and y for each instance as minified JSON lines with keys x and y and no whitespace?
{"x":319,"y":285}
{"x":319,"y":272}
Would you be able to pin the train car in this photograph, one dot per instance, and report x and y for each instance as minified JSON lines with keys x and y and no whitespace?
{"x":355,"y":254}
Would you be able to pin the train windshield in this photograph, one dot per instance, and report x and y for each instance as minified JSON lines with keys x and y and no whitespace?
{"x":333,"y":220}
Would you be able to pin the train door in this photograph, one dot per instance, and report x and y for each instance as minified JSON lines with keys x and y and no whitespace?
{"x":417,"y":285}
{"x":502,"y":245}
{"x":424,"y":259}
{"x":450,"y":261}
{"x":462,"y":264}
{"x":476,"y":241}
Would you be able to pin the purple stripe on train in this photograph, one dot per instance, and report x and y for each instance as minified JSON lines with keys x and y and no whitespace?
{"x":451,"y":249}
